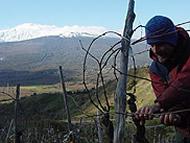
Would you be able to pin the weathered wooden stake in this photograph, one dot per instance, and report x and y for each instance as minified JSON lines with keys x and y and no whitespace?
{"x":17,"y":135}
{"x":100,"y":132}
{"x":65,"y":98}
{"x":120,"y":99}
{"x":9,"y":130}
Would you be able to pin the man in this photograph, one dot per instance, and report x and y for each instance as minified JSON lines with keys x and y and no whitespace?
{"x":170,"y":75}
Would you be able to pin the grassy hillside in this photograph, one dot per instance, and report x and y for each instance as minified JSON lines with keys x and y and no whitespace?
{"x":144,"y":93}
{"x":42,"y":111}
{"x":48,"y":99}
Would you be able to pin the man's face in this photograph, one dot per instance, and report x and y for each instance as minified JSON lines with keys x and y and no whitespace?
{"x":163,"y":52}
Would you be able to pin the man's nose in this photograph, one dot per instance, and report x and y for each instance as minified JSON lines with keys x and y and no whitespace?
{"x":154,"y":49}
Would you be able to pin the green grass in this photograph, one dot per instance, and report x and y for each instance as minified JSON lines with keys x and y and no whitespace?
{"x":48,"y":98}
{"x":41,"y":88}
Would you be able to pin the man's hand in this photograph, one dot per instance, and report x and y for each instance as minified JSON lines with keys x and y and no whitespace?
{"x":170,"y":119}
{"x":146,"y":113}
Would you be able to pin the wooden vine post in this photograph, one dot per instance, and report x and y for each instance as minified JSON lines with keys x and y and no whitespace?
{"x":65,"y":98}
{"x":17,"y":134}
{"x":120,"y":99}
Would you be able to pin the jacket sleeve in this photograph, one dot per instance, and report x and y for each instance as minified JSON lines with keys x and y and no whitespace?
{"x":178,"y":92}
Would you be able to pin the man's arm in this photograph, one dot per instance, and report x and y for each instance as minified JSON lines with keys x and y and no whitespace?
{"x":178,"y":92}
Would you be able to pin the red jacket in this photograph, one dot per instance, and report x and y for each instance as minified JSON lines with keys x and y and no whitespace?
{"x":171,"y":83}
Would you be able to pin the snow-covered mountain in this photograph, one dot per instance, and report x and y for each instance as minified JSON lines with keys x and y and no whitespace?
{"x":30,"y":31}
{"x":40,"y":49}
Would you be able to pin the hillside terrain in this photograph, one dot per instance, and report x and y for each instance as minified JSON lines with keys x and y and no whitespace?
{"x":51,"y":101}
{"x":36,"y":61}
{"x":44,"y":111}
{"x":41,"y":112}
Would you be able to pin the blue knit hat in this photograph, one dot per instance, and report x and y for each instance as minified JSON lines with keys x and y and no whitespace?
{"x":160,"y":29}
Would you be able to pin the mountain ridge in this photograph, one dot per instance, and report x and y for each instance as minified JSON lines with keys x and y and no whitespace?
{"x":29,"y":31}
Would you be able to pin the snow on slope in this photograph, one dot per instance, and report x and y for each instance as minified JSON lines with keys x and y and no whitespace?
{"x":30,"y":31}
